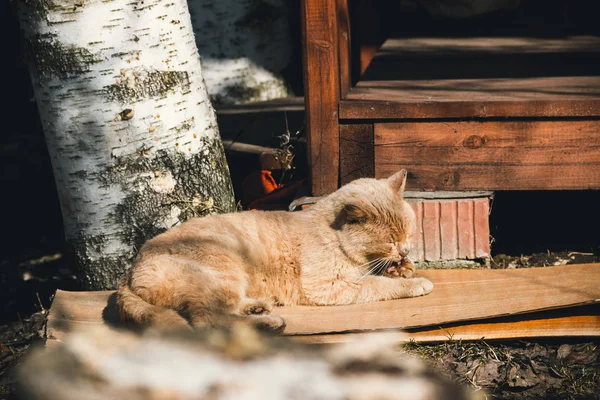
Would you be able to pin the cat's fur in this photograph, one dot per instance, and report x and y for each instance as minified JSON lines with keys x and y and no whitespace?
{"x":215,"y":269}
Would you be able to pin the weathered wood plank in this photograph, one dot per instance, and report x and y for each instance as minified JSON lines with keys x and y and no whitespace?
{"x":356,"y":152}
{"x":491,"y":155}
{"x":570,"y":322}
{"x":322,"y":93}
{"x":490,"y":134}
{"x":494,"y":177}
{"x":569,"y":96}
{"x":439,"y":46}
{"x":494,"y":292}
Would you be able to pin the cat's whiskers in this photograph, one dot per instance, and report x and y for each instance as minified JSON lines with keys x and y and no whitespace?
{"x":378,"y":263}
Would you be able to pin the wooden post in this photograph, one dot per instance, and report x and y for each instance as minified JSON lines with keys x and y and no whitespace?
{"x":321,"y":92}
{"x":344,"y":40}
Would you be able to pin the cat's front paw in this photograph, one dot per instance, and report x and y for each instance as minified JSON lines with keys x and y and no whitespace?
{"x":403,"y":269}
{"x":421,"y":286}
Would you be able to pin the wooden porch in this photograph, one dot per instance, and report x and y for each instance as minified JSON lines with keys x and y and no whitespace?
{"x":467,"y":112}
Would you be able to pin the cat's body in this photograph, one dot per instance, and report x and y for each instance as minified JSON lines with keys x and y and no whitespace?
{"x":211,"y":270}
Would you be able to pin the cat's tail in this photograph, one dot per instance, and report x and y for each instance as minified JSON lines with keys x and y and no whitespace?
{"x":134,"y":309}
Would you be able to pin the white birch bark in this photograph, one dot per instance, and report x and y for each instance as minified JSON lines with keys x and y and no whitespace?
{"x":130,"y":130}
{"x":245,"y":47}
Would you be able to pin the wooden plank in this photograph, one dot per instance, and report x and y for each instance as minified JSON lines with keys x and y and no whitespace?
{"x":490,"y":134}
{"x":344,"y":39}
{"x":469,"y":58}
{"x":577,"y":322}
{"x":356,"y":152}
{"x":569,"y":96}
{"x":439,"y":46}
{"x":459,"y":295}
{"x":481,"y":77}
{"x":322,"y":93}
{"x":491,"y":155}
{"x":493,"y":177}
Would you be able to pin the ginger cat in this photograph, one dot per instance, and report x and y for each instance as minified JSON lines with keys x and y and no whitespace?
{"x":350,"y":247}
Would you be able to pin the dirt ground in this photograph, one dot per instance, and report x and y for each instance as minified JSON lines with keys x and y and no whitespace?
{"x":542,"y":369}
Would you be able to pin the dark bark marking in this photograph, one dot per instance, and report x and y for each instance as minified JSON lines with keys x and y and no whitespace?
{"x":51,"y":58}
{"x":204,"y":177}
{"x":147,"y":84}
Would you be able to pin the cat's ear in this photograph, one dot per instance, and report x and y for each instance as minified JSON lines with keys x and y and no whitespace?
{"x":398,"y":180}
{"x":353,"y":213}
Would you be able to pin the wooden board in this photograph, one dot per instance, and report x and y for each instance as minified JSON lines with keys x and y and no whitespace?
{"x":356,"y":152}
{"x":322,"y":92}
{"x":459,"y":295}
{"x":496,"y":155}
{"x":474,"y":98}
{"x":569,"y":322}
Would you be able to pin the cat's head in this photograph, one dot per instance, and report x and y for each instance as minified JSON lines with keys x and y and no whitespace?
{"x":372,"y":220}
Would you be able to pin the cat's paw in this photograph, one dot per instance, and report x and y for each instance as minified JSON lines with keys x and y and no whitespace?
{"x":269,"y":323}
{"x":403,"y":269}
{"x":256,"y":307}
{"x":421,"y":286}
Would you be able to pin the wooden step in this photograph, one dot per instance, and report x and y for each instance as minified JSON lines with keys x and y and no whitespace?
{"x":479,"y":78}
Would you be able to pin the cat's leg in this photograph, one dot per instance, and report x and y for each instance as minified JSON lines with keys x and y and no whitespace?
{"x":339,"y":290}
{"x":269,"y":323}
{"x":376,"y":288}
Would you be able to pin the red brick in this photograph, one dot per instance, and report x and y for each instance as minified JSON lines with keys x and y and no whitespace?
{"x":466,"y":234}
{"x":482,"y":227}
{"x":417,"y":253}
{"x":448,"y":230}
{"x":431,"y":230}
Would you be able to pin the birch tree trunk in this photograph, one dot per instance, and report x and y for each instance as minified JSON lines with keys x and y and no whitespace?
{"x":130,"y":130}
{"x":245,"y":46}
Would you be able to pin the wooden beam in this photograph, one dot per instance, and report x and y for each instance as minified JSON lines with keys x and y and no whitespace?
{"x":344,"y":39}
{"x":356,"y":152}
{"x":491,"y":155}
{"x":322,"y":92}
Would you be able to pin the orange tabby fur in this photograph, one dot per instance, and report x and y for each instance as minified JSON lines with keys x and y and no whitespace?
{"x":219,"y":268}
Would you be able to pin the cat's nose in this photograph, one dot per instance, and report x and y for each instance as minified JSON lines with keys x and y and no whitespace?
{"x":404,"y":251}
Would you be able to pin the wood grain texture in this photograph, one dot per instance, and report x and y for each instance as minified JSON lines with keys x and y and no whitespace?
{"x":344,"y":40}
{"x":479,"y":77}
{"x":459,"y":295}
{"x":356,"y":152}
{"x":474,"y":98}
{"x":322,"y":92}
{"x":491,"y":155}
{"x":570,"y":322}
